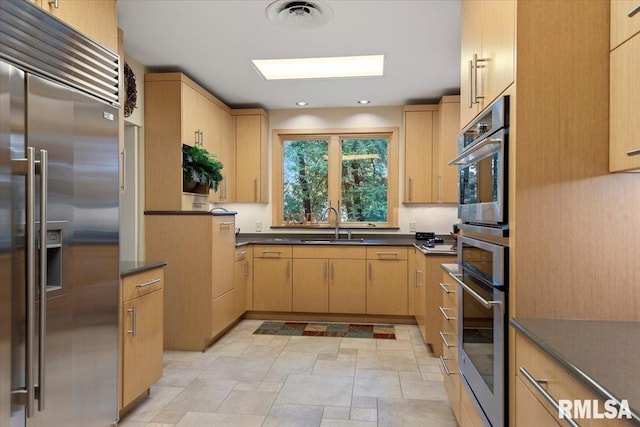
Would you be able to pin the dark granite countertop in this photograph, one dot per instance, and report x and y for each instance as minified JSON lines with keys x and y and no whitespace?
{"x":127,"y":268}
{"x":358,"y":239}
{"x":604,"y":355}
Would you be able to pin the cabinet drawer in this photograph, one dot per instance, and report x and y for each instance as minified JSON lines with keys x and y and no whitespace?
{"x":386,"y":252}
{"x":559,"y":383}
{"x":142,"y":283}
{"x":242,"y":253}
{"x":451,"y":380}
{"x":624,"y":26}
{"x":272,"y":251}
{"x":326,"y":252}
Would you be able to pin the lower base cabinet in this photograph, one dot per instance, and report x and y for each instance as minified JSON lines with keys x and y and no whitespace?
{"x":141,"y":335}
{"x":272,"y":280}
{"x":243,"y":278}
{"x":387,"y":291}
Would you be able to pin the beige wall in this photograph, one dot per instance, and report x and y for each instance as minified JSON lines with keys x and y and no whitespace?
{"x":437,"y":218}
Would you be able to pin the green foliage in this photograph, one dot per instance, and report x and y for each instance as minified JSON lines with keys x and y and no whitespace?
{"x":199,"y":166}
{"x":364,"y":178}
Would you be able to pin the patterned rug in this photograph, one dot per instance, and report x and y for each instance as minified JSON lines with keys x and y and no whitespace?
{"x":347,"y":330}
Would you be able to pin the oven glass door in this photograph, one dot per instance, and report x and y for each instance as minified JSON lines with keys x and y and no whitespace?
{"x":482,"y":340}
{"x":482,"y":182}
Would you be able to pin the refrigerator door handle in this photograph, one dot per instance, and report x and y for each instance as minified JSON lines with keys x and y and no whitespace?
{"x":44,"y":192}
{"x":31,"y":272}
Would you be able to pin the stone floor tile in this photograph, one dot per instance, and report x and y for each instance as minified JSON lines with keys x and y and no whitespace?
{"x":377,"y":384}
{"x":364,"y":402}
{"x":336,"y":412}
{"x":247,"y":386}
{"x":316,"y":390}
{"x":152,"y":405}
{"x":347,"y":423}
{"x":313,"y":344}
{"x":410,"y":376}
{"x":247,"y":402}
{"x":293,"y":416}
{"x":270,"y":386}
{"x":290,"y":363}
{"x":243,"y":368}
{"x":202,"y":395}
{"x":168,"y":417}
{"x":387,"y":360}
{"x":423,"y":390}
{"x":394,"y":345}
{"x":414,"y":413}
{"x":358,"y":343}
{"x":338,"y":368}
{"x":364,"y":414}
{"x":209,"y":419}
{"x":178,"y":377}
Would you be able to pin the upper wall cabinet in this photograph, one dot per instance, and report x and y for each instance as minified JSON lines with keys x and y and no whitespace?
{"x":487,"y":65}
{"x":252,"y":156}
{"x":624,"y":87}
{"x":97,"y":19}
{"x":177,"y":111}
{"x":227,"y":190}
{"x":431,"y":133}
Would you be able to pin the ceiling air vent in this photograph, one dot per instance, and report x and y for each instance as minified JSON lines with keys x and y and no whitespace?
{"x":300,"y":15}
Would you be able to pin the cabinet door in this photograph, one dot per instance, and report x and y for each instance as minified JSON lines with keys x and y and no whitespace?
{"x":387,"y":287}
{"x":94,"y":18}
{"x":498,"y":49}
{"x":419,"y":298}
{"x":311,"y":285}
{"x":471,"y":43}
{"x":272,"y":284}
{"x":529,"y":412}
{"x":194,"y":113}
{"x":212,"y":141}
{"x":251,"y":154}
{"x":243,"y":278}
{"x":624,"y":126}
{"x":445,"y":148}
{"x":141,"y":344}
{"x":223,"y":241}
{"x":223,"y":312}
{"x":624,"y":26}
{"x":228,"y":157}
{"x":418,"y":128}
{"x":347,"y":286}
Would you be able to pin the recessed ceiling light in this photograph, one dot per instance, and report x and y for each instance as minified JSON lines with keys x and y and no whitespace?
{"x":364,"y":102}
{"x":320,"y":68}
{"x":302,"y":103}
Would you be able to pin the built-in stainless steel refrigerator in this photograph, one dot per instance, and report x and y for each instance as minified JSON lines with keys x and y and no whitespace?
{"x":59,"y":283}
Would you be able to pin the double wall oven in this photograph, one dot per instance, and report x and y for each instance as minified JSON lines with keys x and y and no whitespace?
{"x":483,"y":259}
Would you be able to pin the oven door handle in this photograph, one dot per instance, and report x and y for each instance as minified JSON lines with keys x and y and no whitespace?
{"x":477,"y":296}
{"x":462,"y":158}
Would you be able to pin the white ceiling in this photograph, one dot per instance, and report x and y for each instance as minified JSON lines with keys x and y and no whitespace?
{"x":213,"y":41}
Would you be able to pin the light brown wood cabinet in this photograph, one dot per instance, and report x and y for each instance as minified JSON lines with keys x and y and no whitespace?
{"x":529,"y":412}
{"x":227,"y":190}
{"x":200,"y":299}
{"x":624,"y":88}
{"x":327,"y":279}
{"x":272,"y":279}
{"x":387,"y":281}
{"x":243,"y":278}
{"x":419,"y":298}
{"x":141,"y":321}
{"x":469,"y":415}
{"x":178,"y":111}
{"x":252,"y":156}
{"x":96,"y":19}
{"x":431,"y":135}
{"x":558,"y":383}
{"x":488,"y":35}
{"x":449,"y":325}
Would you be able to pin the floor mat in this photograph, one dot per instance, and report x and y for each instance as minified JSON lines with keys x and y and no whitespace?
{"x":347,"y":330}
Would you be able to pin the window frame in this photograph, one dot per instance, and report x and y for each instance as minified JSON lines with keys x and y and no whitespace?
{"x":334,"y":136}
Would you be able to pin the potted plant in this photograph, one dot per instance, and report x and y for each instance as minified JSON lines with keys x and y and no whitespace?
{"x":200,"y":170}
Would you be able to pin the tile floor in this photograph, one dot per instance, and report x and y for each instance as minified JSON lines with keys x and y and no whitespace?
{"x":250,"y":380}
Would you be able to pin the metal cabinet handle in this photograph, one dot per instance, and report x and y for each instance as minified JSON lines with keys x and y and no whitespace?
{"x":149,"y":283}
{"x":227,"y":223}
{"x":123,"y":154}
{"x":444,"y":288}
{"x":387,"y":253}
{"x":288,"y":269}
{"x":630,"y":14}
{"x":474,"y":87}
{"x":324,"y":269}
{"x":54,"y":3}
{"x":410,"y":189}
{"x":474,"y":294}
{"x":470,"y":92}
{"x":415,"y":277}
{"x":196,"y":140}
{"x":444,"y":340}
{"x":445,"y":315}
{"x":255,"y":189}
{"x":438,"y":198}
{"x":369,"y":271}
{"x":271,"y":252}
{"x":536,"y":384}
{"x":31,"y":273}
{"x":44,"y":195}
{"x":134,"y":321}
{"x":246,"y":268}
{"x":445,"y":367}
{"x":635,"y":151}
{"x":333,"y":272}
{"x":241,"y":254}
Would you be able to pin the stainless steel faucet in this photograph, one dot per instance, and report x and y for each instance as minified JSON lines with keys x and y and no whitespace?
{"x":335,"y":211}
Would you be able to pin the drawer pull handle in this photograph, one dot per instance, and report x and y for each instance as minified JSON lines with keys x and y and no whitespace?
{"x":445,"y":367}
{"x":134,"y":322}
{"x":536,"y":384}
{"x":444,"y":340}
{"x":227,"y":223}
{"x":387,"y":253}
{"x":630,"y":14}
{"x":486,"y":304}
{"x":149,"y":283}
{"x":444,"y":313}
{"x":272,"y":252}
{"x":635,"y":151}
{"x":243,"y":253}
{"x":446,"y":289}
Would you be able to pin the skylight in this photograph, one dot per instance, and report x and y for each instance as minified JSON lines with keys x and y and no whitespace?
{"x":320,"y":68}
